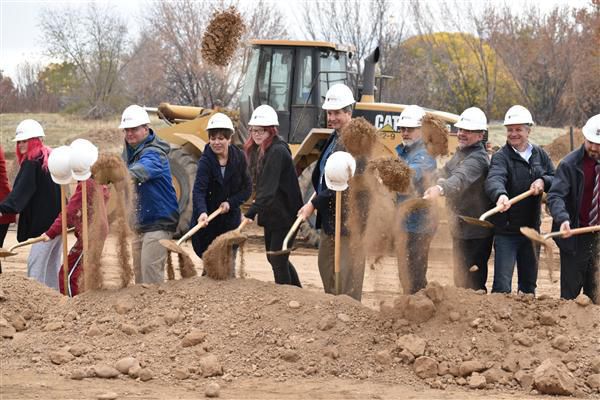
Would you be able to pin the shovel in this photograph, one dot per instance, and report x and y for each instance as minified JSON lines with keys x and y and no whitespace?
{"x":481,"y":221}
{"x":294,"y":228}
{"x":10,"y":251}
{"x":543,"y":239}
{"x":171,"y":245}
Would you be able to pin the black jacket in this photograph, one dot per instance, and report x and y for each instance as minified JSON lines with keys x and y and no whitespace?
{"x":564,"y":197}
{"x":211,"y":189}
{"x":462,"y":180}
{"x":35,"y":197}
{"x":511,"y":175}
{"x":278,"y":196}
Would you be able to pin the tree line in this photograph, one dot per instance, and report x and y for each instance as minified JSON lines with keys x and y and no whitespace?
{"x":442,"y":55}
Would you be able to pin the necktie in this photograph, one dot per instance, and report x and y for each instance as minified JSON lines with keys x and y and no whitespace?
{"x":594,"y":214}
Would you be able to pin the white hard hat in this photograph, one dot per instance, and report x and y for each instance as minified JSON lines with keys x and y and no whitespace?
{"x":134,"y":116}
{"x":339,"y":168}
{"x":472,"y":119}
{"x":27,"y":129}
{"x":83,"y":155}
{"x":517,"y":115}
{"x":220,"y":121}
{"x":338,"y":96}
{"x":264,"y":116}
{"x":59,"y":165}
{"x":591,"y":129}
{"x":411,"y":117}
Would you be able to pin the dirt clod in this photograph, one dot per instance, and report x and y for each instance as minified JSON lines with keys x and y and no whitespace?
{"x":221,"y":37}
{"x":212,"y":390}
{"x":359,"y":137}
{"x":435,"y":135}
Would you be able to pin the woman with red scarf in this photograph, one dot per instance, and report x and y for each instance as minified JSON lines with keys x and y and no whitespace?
{"x":36,"y":198}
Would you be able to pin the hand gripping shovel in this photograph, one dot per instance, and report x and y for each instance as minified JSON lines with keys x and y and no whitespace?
{"x":543,"y":239}
{"x":482,"y":219}
{"x":10,"y":251}
{"x":173,"y":246}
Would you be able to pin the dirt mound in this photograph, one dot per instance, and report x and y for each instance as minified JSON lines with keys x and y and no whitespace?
{"x":561,"y":146}
{"x":197,"y":328}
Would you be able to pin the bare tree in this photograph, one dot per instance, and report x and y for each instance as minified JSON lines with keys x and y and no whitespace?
{"x":177,"y":29}
{"x":94,"y":39}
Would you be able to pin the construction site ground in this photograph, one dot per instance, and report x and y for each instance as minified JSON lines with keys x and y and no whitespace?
{"x":257,"y":340}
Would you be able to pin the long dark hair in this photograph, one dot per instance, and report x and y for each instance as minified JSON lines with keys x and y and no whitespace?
{"x":254,"y":153}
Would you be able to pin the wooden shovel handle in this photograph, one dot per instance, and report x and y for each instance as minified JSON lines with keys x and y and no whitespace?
{"x":243,"y":224}
{"x":512,"y":201}
{"x":197,"y":227}
{"x":291,"y":232}
{"x":575,"y":231}
{"x":27,"y":242}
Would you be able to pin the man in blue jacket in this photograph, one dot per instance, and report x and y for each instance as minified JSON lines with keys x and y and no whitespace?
{"x":419,"y":225}
{"x":157,"y":209}
{"x":574,"y":202}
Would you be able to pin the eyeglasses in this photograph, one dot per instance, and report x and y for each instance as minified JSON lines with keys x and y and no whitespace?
{"x":257,"y":131}
{"x":404,"y":129}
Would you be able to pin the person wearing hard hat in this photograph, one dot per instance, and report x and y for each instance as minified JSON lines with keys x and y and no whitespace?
{"x":278,"y":195}
{"x":339,"y":102}
{"x":419,"y":224}
{"x":146,"y":156}
{"x":83,"y":155}
{"x":7,"y":219}
{"x":222,"y":181}
{"x":36,"y":198}
{"x":517,"y":167}
{"x":461,"y":181}
{"x":574,"y":202}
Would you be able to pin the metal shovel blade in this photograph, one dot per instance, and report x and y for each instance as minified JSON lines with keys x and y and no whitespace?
{"x":281,"y":252}
{"x":6,"y":253}
{"x":171,"y":245}
{"x":534,"y":235}
{"x":476,"y":221}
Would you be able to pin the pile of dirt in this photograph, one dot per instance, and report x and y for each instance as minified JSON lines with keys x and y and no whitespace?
{"x":561,"y":146}
{"x":221,"y":37}
{"x":189,"y":330}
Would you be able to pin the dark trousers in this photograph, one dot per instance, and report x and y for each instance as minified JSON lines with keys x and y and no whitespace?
{"x":3,"y":230}
{"x":283,"y":270}
{"x":508,"y":251}
{"x":412,"y":264}
{"x":468,"y":253}
{"x":580,"y":270}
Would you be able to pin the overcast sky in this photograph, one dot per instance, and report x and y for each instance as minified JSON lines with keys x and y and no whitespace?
{"x":20,"y":36}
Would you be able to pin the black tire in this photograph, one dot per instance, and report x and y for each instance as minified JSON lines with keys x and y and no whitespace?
{"x":307,"y":229}
{"x":183,"y":170}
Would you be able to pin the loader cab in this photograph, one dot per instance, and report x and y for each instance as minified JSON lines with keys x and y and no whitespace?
{"x":292,"y":77}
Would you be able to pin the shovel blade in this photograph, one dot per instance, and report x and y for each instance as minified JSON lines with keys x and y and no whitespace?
{"x":476,"y":221}
{"x":534,"y":235}
{"x":171,"y":245}
{"x":6,"y":253}
{"x":281,"y":252}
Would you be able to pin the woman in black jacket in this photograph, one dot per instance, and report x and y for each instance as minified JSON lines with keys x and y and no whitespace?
{"x":278,"y":196}
{"x":221,"y":181}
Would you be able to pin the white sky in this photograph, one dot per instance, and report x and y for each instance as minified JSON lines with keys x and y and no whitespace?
{"x":20,"y":36}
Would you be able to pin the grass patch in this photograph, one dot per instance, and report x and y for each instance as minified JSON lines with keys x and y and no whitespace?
{"x":540,"y":135}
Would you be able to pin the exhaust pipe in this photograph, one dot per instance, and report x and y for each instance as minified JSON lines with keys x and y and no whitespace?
{"x":368,"y":92}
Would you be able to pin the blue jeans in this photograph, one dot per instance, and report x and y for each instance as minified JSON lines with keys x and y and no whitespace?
{"x":511,"y":249}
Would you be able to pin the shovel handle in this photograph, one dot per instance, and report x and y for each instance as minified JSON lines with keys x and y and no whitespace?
{"x":292,"y":231}
{"x":27,"y":242}
{"x":243,"y":224}
{"x":575,"y":231}
{"x":197,"y":227}
{"x":512,"y":201}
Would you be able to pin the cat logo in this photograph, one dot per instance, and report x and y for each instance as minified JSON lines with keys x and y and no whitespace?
{"x":387,"y":123}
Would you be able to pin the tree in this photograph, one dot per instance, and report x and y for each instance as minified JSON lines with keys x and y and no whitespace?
{"x":8,"y":95}
{"x":94,"y":40}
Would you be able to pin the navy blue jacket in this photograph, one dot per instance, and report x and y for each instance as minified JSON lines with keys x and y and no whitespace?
{"x":278,"y":197}
{"x":148,"y":164}
{"x":211,"y":189}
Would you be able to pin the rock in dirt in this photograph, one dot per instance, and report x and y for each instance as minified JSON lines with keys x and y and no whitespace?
{"x":426,"y":367}
{"x":583,"y":300}
{"x":134,"y":371}
{"x":343,"y":317}
{"x":60,"y":357}
{"x":152,"y":325}
{"x":383,"y":357}
{"x":453,"y":316}
{"x":494,"y":375}
{"x":547,"y":319}
{"x":290,"y":355}
{"x":181,"y":373}
{"x":210,"y":366}
{"x":552,"y":377}
{"x":94,"y":330}
{"x":125,"y":364}
{"x":212,"y":390}
{"x":414,"y":344}
{"x":419,"y":309}
{"x":326,"y":323}
{"x":406,"y":357}
{"x":525,"y":379}
{"x":593,"y":381}
{"x":193,"y":338}
{"x":80,"y":374}
{"x":124,"y":304}
{"x":107,"y":396}
{"x":106,"y":371}
{"x":523,"y":339}
{"x":53,"y":326}
{"x":79,"y":349}
{"x":468,"y":367}
{"x":561,"y":343}
{"x":435,"y":292}
{"x":476,"y":381}
{"x":18,"y":322}
{"x":294,"y":305}
{"x":145,"y":374}
{"x":128,"y":329}
{"x":331,"y":352}
{"x":173,"y":316}
{"x":7,"y":331}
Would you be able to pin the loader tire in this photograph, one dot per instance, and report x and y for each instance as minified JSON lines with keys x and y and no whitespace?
{"x":307,"y":229}
{"x":183,"y":171}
